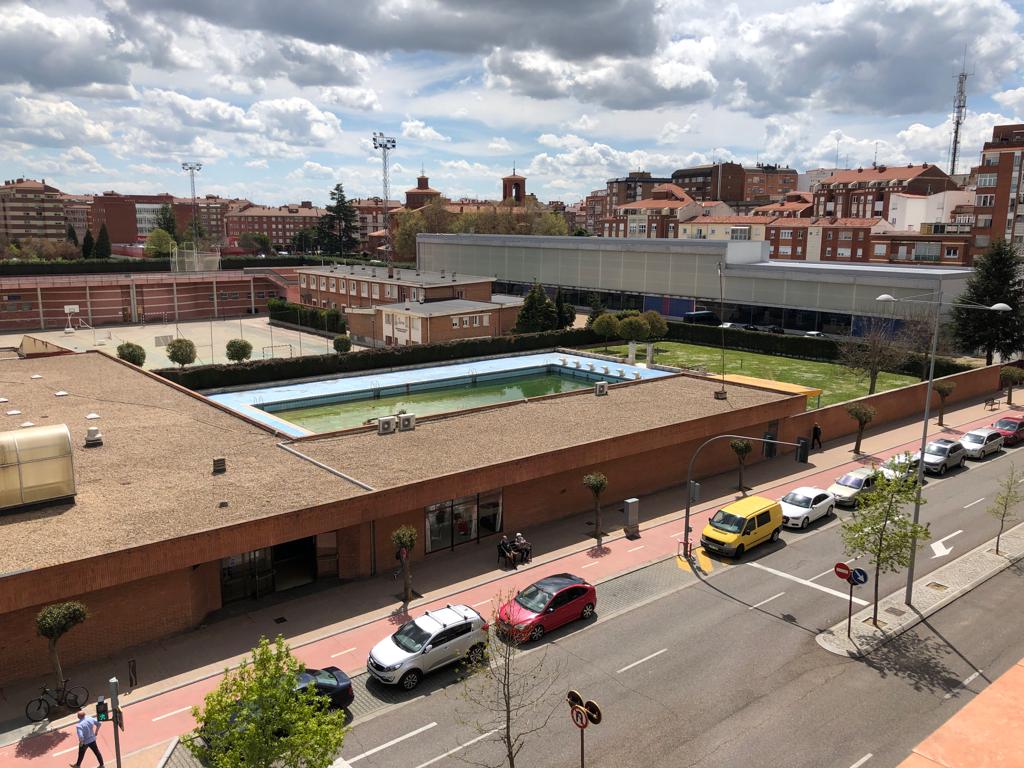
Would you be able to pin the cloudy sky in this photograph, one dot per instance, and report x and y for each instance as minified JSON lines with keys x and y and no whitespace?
{"x":278,"y":99}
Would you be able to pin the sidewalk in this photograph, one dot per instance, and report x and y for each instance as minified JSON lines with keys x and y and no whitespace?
{"x":338,"y":625}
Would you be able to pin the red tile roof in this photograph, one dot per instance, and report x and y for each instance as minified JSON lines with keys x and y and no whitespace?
{"x":739,"y":220}
{"x":881,"y":173}
{"x":852,"y":222}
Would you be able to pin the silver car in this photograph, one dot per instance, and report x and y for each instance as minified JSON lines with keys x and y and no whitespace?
{"x":941,"y":455}
{"x":979,"y":443}
{"x":429,"y":642}
{"x":849,"y":488}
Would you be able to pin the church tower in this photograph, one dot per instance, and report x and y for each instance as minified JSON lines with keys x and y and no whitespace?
{"x":513,"y":188}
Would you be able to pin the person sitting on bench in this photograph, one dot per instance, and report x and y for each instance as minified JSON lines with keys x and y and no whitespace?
{"x":505,"y":550}
{"x":524,"y":548}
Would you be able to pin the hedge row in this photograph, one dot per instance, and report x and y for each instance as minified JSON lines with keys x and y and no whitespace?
{"x":321,"y":319}
{"x":113,"y":265}
{"x":278,"y":369}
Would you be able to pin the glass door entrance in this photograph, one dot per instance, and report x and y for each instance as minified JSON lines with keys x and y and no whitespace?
{"x":256,"y":574}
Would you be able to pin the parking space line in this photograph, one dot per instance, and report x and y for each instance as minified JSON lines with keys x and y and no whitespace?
{"x":450,"y":752}
{"x":758,"y":605}
{"x":391,"y":743}
{"x":673,"y":535}
{"x":171,"y":714}
{"x":807,"y":582}
{"x":342,"y":653}
{"x":635,"y":549}
{"x":589,"y":565}
{"x":482,"y":602}
{"x":963,"y":684}
{"x":64,"y":751}
{"x":645,"y":658}
{"x":977,"y":501}
{"x":863,"y":760}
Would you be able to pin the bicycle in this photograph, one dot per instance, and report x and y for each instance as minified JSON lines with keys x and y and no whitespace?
{"x":72,"y":698}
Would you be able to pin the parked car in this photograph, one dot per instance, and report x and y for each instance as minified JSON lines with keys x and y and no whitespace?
{"x":802,"y":506}
{"x":1011,"y":428}
{"x":750,"y":327}
{"x":701,"y":317}
{"x":941,"y":455}
{"x":546,"y":605}
{"x":850,"y":487}
{"x":900,"y":465}
{"x":743,"y":524}
{"x":775,"y":329}
{"x":330,"y":682}
{"x":979,"y":443}
{"x":427,"y":643}
{"x":815,"y":334}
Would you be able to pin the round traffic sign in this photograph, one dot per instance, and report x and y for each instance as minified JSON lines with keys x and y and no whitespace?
{"x":842,"y":571}
{"x":858,"y":576}
{"x":579,"y":716}
{"x":574,"y":699}
{"x":593,"y":712}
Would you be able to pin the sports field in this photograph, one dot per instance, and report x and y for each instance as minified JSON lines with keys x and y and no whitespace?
{"x":210,"y":338}
{"x":837,"y":382}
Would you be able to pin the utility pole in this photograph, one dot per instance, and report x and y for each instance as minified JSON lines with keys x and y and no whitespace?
{"x":115,"y":711}
{"x":959,"y":110}
{"x":193,"y":167}
{"x":385,"y":144}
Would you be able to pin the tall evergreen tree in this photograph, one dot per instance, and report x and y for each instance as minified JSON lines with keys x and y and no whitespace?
{"x":72,"y":236}
{"x":88,"y":245}
{"x":565,"y":312}
{"x":165,"y":220}
{"x":997,"y":278}
{"x":338,"y":228}
{"x":537,"y":313}
{"x":102,"y":247}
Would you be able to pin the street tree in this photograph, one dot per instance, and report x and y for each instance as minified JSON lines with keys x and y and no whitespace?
{"x":656,"y":323}
{"x":997,"y":277}
{"x":338,"y":229}
{"x":606,"y":326}
{"x":88,"y":245}
{"x":862,"y":413}
{"x":342,"y":344}
{"x":742,"y":449}
{"x":256,"y":718}
{"x":877,"y":350}
{"x":166,"y":221}
{"x":159,"y":243}
{"x":181,"y":351}
{"x":943,"y":388}
{"x":596,"y":483}
{"x":131,"y":353}
{"x":71,"y":236}
{"x":1011,"y":376}
{"x":403,"y":539}
{"x":881,"y":530}
{"x":238,"y":350}
{"x":53,"y":622}
{"x":102,"y":248}
{"x":1004,"y":508}
{"x":538,"y":312}
{"x":511,"y":689}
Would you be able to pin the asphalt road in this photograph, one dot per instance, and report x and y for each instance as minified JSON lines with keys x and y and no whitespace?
{"x":725,"y":671}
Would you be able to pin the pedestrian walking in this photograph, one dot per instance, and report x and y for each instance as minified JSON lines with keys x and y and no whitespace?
{"x":87,"y":729}
{"x":816,"y":436}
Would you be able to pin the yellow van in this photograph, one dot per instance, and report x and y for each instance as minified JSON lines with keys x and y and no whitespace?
{"x":737,"y":527}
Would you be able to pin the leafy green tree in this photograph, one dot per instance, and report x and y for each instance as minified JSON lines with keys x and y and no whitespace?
{"x":181,"y":351}
{"x":338,"y":229}
{"x":606,"y":326}
{"x":342,"y":344}
{"x":403,"y":539}
{"x":1004,"y":508}
{"x":71,"y":236}
{"x":53,"y":622}
{"x":564,"y":311}
{"x":256,"y":719}
{"x":862,"y":413}
{"x":881,"y":530}
{"x":131,"y":353}
{"x":997,"y":277}
{"x":943,"y":389}
{"x":88,"y":245}
{"x":742,"y":449}
{"x":1011,"y":376}
{"x":550,"y":224}
{"x":102,"y":248}
{"x":596,"y":483}
{"x":634,"y":328}
{"x":257,"y":242}
{"x":238,"y":350}
{"x":166,"y":221}
{"x":304,"y":240}
{"x":159,"y":243}
{"x":410,"y":224}
{"x":580,"y":232}
{"x":537,"y":313}
{"x":657,"y":324}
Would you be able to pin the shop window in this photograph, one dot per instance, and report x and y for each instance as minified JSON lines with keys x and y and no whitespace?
{"x":462,"y":520}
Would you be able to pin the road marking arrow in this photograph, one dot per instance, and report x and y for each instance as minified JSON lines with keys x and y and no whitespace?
{"x":939,"y":547}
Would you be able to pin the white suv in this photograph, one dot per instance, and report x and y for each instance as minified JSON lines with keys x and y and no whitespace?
{"x":979,"y":443}
{"x":428,"y":642}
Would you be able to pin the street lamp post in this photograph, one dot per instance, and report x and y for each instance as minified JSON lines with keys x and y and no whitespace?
{"x":937,"y":302}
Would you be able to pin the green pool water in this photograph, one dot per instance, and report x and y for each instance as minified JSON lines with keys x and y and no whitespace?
{"x":352,"y":413}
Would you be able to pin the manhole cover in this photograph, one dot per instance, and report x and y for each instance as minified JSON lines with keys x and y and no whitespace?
{"x":937,"y":586}
{"x":280,"y":620}
{"x":894,"y":611}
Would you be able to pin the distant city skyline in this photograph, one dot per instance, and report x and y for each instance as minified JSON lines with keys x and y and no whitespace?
{"x":102,"y":95}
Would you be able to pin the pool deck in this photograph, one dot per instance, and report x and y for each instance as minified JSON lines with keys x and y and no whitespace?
{"x":251,"y":402}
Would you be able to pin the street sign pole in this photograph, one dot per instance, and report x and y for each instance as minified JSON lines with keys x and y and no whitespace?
{"x":115,"y":712}
{"x":849,"y":613}
{"x":583,"y":732}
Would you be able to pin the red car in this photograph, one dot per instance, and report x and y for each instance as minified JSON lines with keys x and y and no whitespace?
{"x":1011,"y":428}
{"x":546,"y":605}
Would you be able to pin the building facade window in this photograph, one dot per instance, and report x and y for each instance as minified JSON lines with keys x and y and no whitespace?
{"x":987,"y":179}
{"x":462,"y":520}
{"x":985,"y":201}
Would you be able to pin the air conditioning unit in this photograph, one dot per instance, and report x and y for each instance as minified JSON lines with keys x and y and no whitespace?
{"x":387,"y":425}
{"x":601,"y":388}
{"x":406,"y":422}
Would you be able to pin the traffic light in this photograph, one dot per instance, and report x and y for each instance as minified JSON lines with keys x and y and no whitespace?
{"x":102,"y":710}
{"x":802,"y":449}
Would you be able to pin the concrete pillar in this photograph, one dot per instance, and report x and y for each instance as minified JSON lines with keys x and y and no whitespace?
{"x":88,"y":304}
{"x":131,"y":302}
{"x":39,"y":300}
{"x":252,"y":297}
{"x":174,"y":291}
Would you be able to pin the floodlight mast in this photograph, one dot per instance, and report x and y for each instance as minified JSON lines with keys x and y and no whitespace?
{"x":193,"y":167}
{"x":385,"y":144}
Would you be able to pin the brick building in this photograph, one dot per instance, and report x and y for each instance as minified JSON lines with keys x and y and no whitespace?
{"x":654,"y":216}
{"x":866,"y":192}
{"x":595,"y":208}
{"x":279,"y":223}
{"x":370,"y":215}
{"x":421,"y":194}
{"x":725,"y":228}
{"x":847,"y":239}
{"x":403,"y":324}
{"x":31,"y":209}
{"x":766,"y":182}
{"x":78,"y":213}
{"x":344,"y":287}
{"x":210,"y":210}
{"x":117,"y":212}
{"x":792,"y":205}
{"x":720,"y":181}
{"x":788,"y":238}
{"x":999,"y":182}
{"x":636,"y":185}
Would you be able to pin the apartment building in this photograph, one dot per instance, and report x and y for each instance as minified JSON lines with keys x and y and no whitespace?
{"x":724,"y":228}
{"x":949,"y":244}
{"x":428,"y":323}
{"x":766,"y":182}
{"x":31,"y":209}
{"x":211,"y":212}
{"x":718,"y":181}
{"x":344,"y":287}
{"x":909,"y":212}
{"x":849,"y":239}
{"x":77,"y":211}
{"x":999,"y":202}
{"x":595,"y":208}
{"x":117,"y":213}
{"x":866,"y":192}
{"x":372,"y":225}
{"x":789,"y":237}
{"x":792,"y":205}
{"x":637,"y":185}
{"x":279,"y":223}
{"x":656,"y":216}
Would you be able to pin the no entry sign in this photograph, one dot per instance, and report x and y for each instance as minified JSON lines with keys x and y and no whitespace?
{"x":842,"y":571}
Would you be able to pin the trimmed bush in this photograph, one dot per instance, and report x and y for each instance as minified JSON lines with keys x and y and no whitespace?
{"x":342,"y":344}
{"x":238,"y":350}
{"x":131,"y":353}
{"x":330,"y":320}
{"x":181,"y":351}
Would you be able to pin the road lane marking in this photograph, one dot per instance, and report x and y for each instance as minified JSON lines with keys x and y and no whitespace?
{"x":482,"y":602}
{"x":940,"y":548}
{"x":645,"y":658}
{"x":811,"y":584}
{"x":758,"y":605}
{"x":831,"y":570}
{"x":391,"y":743}
{"x":978,"y":501}
{"x":171,"y":714}
{"x":635,"y":549}
{"x":863,"y":760}
{"x":673,"y":535}
{"x":966,"y":681}
{"x":342,"y":653}
{"x":590,"y":565}
{"x":450,"y":752}
{"x":65,"y":751}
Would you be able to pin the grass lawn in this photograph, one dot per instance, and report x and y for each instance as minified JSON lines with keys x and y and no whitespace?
{"x":837,"y":382}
